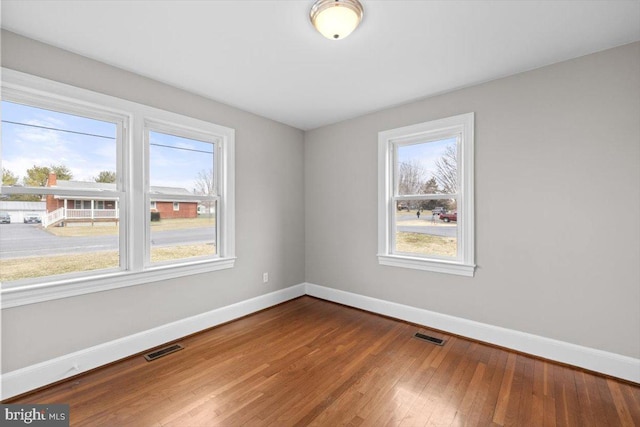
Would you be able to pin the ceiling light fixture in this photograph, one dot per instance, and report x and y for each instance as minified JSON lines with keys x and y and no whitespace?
{"x":336,"y":19}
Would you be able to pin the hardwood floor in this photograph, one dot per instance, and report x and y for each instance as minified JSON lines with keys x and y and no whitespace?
{"x":311,"y":362}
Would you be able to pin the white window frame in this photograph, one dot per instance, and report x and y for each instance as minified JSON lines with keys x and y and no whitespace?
{"x":180,"y":130}
{"x":152,"y":205}
{"x":131,"y":184}
{"x":461,"y":127}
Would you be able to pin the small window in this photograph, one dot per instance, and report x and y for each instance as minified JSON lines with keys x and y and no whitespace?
{"x":426,"y":196}
{"x":153,"y":205}
{"x":176,"y":206}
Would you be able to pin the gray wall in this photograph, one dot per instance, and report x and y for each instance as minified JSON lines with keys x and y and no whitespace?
{"x":269,"y":220}
{"x":557,"y":204}
{"x":557,"y":207}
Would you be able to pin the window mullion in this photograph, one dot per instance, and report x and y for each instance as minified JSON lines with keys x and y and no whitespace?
{"x":138,"y":202}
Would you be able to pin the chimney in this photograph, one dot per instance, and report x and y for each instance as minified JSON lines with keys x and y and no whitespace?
{"x":52,"y":181}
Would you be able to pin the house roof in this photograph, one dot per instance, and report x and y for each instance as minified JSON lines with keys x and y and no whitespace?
{"x":169,"y":190}
{"x":156,"y":193}
{"x":88,"y":185}
{"x":85,"y":185}
{"x":22,"y":206}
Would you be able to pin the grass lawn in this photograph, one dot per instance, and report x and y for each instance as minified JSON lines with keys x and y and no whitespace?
{"x":166,"y":253}
{"x":25,"y":268}
{"x":30,"y":267}
{"x":426,"y":244}
{"x":106,"y":229}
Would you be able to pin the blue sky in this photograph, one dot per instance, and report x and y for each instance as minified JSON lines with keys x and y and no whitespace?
{"x":176,"y":161}
{"x":426,"y":153}
{"x":173,"y":164}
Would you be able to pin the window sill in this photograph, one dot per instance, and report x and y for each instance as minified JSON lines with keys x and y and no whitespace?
{"x":31,"y":294}
{"x":448,"y":267}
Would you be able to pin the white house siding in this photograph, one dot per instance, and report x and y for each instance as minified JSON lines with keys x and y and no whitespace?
{"x":18,"y":210}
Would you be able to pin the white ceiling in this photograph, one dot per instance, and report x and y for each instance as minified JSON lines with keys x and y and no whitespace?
{"x":265,"y":57}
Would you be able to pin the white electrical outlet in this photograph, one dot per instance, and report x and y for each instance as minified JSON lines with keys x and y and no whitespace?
{"x":265,"y":277}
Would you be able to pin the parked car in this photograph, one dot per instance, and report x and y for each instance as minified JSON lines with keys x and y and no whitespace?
{"x":438,"y":210}
{"x":446,"y":217}
{"x":32,"y":219}
{"x":5,"y":218}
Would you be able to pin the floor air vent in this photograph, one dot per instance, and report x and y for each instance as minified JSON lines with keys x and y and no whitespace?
{"x":436,"y":341}
{"x":162,"y":352}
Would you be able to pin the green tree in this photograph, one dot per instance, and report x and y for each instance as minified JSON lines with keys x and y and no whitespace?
{"x":37,"y":176}
{"x":106,"y":176}
{"x":8,"y":178}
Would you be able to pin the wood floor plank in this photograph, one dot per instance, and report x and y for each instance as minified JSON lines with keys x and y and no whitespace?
{"x":633,"y":401}
{"x":432,"y":395}
{"x":504,"y":395}
{"x":515,"y":394}
{"x":525,"y":415}
{"x":621,"y":405}
{"x":309,"y":362}
{"x":475,"y":414}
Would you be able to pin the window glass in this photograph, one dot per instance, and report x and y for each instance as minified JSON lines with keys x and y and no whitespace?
{"x":428,"y":167}
{"x":427,"y":227}
{"x":64,"y":156}
{"x":182,"y":179}
{"x":425,"y":196}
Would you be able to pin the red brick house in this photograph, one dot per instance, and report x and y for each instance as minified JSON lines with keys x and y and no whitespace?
{"x":172,"y":209}
{"x":66,"y":209}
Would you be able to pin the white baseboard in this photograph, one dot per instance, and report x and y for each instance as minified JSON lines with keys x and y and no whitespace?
{"x":44,"y":373}
{"x":592,"y":359}
{"x":38,"y":375}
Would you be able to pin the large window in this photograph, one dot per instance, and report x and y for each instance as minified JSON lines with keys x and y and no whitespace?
{"x":426,"y":196}
{"x":127,"y":194}
{"x":56,"y":158}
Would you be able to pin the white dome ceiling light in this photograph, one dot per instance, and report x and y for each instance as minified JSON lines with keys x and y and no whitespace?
{"x":336,"y":19}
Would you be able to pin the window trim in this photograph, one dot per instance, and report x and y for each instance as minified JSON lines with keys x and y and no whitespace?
{"x":131,"y":183}
{"x":462,"y":124}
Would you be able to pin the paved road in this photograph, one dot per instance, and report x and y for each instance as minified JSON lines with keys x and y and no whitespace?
{"x":21,"y":240}
{"x":448,"y":230}
{"x":433,"y":230}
